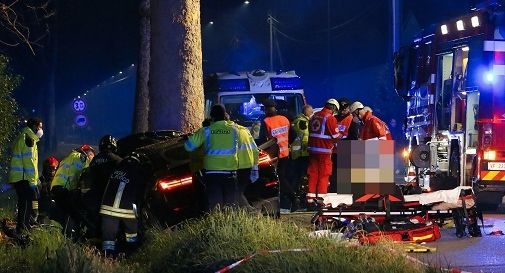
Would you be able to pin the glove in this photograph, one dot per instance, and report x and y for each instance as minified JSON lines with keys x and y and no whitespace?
{"x":254,"y":174}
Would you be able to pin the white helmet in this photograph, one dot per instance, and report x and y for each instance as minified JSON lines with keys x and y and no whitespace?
{"x":355,"y":106}
{"x":333,"y":102}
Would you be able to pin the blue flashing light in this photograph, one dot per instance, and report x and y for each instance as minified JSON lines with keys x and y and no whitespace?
{"x":234,"y":85}
{"x":286,"y":83}
{"x":489,"y":77}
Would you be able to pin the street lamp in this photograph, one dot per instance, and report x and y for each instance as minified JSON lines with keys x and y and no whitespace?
{"x":246,"y":2}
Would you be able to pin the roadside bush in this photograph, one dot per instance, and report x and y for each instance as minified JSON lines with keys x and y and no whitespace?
{"x":224,"y":236}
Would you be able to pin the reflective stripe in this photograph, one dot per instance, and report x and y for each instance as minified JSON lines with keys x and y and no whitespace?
{"x":281,"y":139}
{"x":311,"y":194}
{"x":189,"y":145}
{"x":323,"y":126}
{"x":17,"y":156}
{"x":63,"y":176}
{"x":207,"y":138}
{"x":17,"y":169}
{"x":116,"y":212}
{"x":35,"y":204}
{"x":220,"y":172}
{"x":317,"y":149}
{"x":248,"y":146}
{"x":29,"y":170}
{"x":119,"y":210}
{"x":283,"y":148}
{"x":320,"y":136}
{"x":27,"y":154}
{"x":335,"y":135}
{"x":119,"y":195}
{"x":221,"y":151}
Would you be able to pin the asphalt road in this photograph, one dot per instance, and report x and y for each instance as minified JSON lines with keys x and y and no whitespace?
{"x":484,"y":254}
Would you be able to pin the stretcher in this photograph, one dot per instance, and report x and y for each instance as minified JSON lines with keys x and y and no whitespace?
{"x":392,"y":212}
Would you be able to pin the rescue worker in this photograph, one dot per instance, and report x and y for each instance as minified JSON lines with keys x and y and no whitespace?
{"x":323,"y":133}
{"x":65,"y":187}
{"x":247,"y":155}
{"x":49,"y":167}
{"x":121,"y":201}
{"x":299,"y":153}
{"x":95,"y":180}
{"x":278,"y":126}
{"x":348,"y":129}
{"x":220,"y":162}
{"x":373,"y":127}
{"x":24,"y":174}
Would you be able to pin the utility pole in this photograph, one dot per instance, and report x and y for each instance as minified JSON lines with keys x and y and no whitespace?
{"x":270,"y":21}
{"x":395,"y":5}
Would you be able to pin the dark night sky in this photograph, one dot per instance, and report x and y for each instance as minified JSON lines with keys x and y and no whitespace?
{"x":98,"y":38}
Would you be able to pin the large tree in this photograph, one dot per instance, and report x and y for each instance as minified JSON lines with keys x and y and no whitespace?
{"x":175,"y":78}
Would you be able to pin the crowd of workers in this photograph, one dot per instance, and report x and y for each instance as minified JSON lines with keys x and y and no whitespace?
{"x":95,"y":189}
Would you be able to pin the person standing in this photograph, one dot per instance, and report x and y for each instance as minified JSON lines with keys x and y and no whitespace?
{"x":299,"y":153}
{"x":121,"y":203}
{"x":278,"y":127}
{"x":323,"y":133}
{"x":373,"y":127}
{"x":220,"y":162}
{"x":95,"y":179}
{"x":247,"y":155}
{"x":24,"y":174}
{"x":65,"y":187}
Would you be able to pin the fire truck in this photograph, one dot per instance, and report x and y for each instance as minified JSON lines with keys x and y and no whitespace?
{"x":453,"y":79}
{"x":243,"y":94}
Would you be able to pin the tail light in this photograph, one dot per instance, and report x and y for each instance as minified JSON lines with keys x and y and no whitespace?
{"x":264,"y":159}
{"x":490,"y":155}
{"x":168,"y":184}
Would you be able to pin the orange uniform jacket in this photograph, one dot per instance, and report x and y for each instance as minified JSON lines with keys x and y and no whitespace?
{"x":323,"y":132}
{"x":278,"y":127}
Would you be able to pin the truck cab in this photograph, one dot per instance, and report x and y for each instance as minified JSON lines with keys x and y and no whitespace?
{"x":243,"y":94}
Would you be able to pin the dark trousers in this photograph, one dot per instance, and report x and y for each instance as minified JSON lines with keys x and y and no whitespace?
{"x":333,"y":177}
{"x":25,"y":196}
{"x":244,"y":179}
{"x":287,"y":191}
{"x":299,"y":172}
{"x":66,"y":212}
{"x":221,"y":189}
{"x":110,"y":231}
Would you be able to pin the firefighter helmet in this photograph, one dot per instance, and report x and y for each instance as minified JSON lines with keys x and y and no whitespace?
{"x":108,"y":143}
{"x":333,"y":102}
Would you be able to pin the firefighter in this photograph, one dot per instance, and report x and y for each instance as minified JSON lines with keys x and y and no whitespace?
{"x":220,"y":162}
{"x":49,"y":167}
{"x":121,"y":200}
{"x":247,"y":155}
{"x":323,"y":133}
{"x":299,"y":154}
{"x":278,"y":126}
{"x":95,"y":179}
{"x":373,"y":127}
{"x":24,"y":173}
{"x":65,"y":187}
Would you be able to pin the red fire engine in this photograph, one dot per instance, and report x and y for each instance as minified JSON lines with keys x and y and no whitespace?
{"x":453,"y":79}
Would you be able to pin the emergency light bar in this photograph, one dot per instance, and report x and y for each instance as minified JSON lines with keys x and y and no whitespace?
{"x":234,"y":85}
{"x":286,"y":83}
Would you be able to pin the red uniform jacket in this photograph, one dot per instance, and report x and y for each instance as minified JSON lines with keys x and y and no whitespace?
{"x":323,"y":132}
{"x":374,"y":128}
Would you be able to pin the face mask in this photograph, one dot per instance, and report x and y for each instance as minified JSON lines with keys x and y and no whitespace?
{"x":40,"y":133}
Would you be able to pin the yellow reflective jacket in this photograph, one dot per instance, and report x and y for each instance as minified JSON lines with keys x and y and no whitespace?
{"x":219,"y":141}
{"x":70,"y":170}
{"x":299,"y":145}
{"x":247,"y":152}
{"x":24,"y":162}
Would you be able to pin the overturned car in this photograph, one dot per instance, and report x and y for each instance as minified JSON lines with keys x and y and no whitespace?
{"x":174,"y":189}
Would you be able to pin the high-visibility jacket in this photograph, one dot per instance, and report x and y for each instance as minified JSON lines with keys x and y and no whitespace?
{"x":219,"y":141}
{"x":278,"y":127}
{"x":323,"y":132}
{"x":24,"y":162}
{"x":70,"y":170}
{"x":374,"y":128}
{"x":247,"y":151}
{"x":301,"y":129}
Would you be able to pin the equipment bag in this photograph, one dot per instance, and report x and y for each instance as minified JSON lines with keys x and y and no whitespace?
{"x":424,"y":234}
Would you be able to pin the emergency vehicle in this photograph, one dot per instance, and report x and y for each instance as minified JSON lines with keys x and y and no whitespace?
{"x":453,"y":79}
{"x":243,"y":95}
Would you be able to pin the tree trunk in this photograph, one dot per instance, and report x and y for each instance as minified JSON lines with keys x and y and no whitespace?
{"x":176,"y":97}
{"x":141,"y":114}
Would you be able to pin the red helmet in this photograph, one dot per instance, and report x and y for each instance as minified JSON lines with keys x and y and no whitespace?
{"x":51,"y":162}
{"x":86,"y":148}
